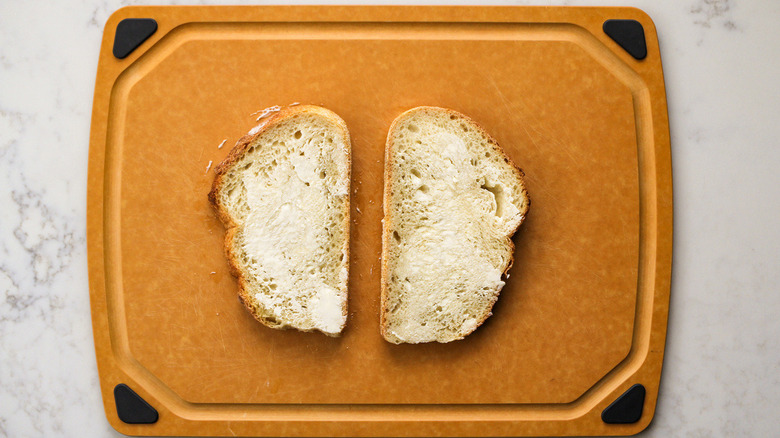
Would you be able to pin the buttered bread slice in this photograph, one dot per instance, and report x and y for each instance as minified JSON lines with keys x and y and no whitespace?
{"x":283,"y":196}
{"x":452,"y":201}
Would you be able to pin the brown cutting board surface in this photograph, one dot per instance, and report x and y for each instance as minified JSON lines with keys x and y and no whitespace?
{"x":581,"y":318}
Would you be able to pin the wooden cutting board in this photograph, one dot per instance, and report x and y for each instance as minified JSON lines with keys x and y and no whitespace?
{"x":581,"y":320}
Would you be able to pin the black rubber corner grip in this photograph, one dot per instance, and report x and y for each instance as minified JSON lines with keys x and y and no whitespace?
{"x":629,"y":34}
{"x":131,"y":408}
{"x":131,"y":33}
{"x":627,"y":408}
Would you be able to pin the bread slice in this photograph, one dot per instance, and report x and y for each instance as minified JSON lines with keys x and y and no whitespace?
{"x":452,"y":201}
{"x":283,"y":196}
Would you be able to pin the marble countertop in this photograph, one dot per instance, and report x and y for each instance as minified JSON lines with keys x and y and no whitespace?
{"x":721,"y":372}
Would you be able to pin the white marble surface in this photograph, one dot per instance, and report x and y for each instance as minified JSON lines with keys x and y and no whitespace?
{"x":722,"y":369}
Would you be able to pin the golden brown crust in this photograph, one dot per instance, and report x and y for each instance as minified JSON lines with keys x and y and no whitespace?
{"x":230,"y":224}
{"x":388,"y":188}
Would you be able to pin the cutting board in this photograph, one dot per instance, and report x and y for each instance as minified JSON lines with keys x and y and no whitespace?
{"x":575,"y":344}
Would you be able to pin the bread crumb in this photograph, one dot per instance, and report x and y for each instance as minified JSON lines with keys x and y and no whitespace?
{"x":358,"y":209}
{"x":213,"y":272}
{"x":294,"y":103}
{"x":263,"y":113}
{"x":222,"y":144}
{"x":209,"y":166}
{"x":257,"y":128}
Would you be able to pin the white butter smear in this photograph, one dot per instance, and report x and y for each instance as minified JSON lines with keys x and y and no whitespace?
{"x":284,"y":230}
